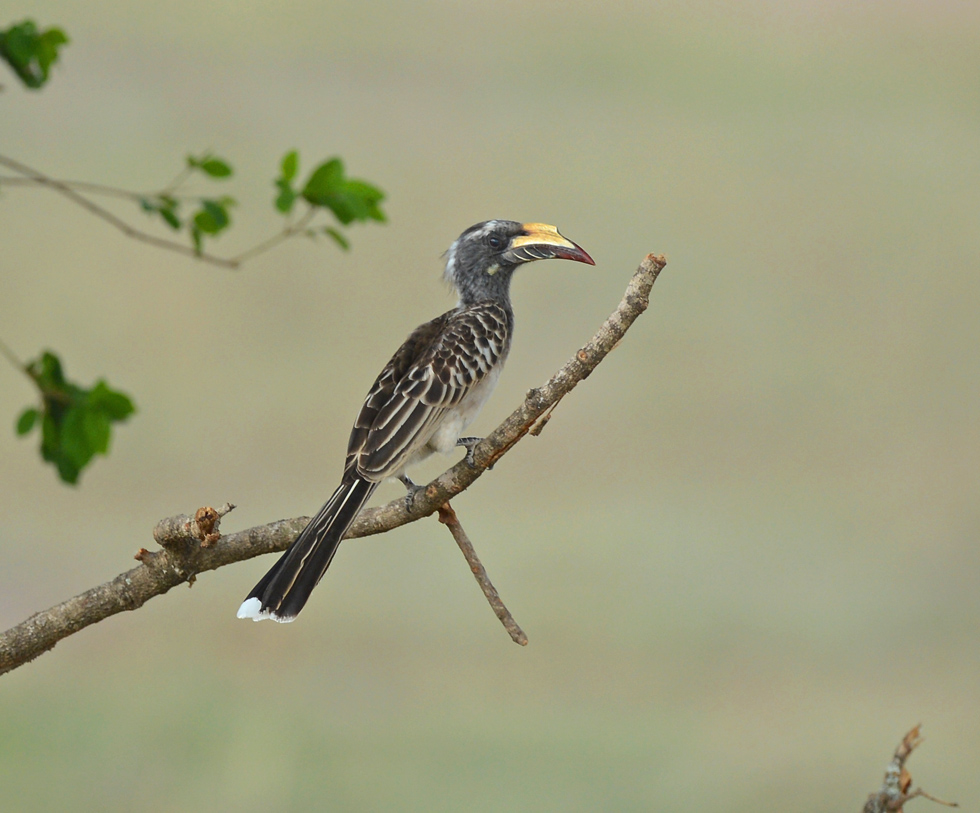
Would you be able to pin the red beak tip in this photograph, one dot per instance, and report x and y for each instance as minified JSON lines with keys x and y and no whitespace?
{"x":579,"y":254}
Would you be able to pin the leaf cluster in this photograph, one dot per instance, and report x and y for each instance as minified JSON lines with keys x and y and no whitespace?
{"x":30,"y":52}
{"x":328,"y":187}
{"x":212,"y":215}
{"x":76,"y":423}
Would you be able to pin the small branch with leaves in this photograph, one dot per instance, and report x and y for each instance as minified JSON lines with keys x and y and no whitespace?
{"x":896,"y":790}
{"x":191,"y":545}
{"x":75,"y":422}
{"x":31,"y":53}
{"x":326,"y":189}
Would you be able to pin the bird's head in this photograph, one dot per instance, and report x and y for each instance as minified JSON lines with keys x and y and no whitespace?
{"x":481,"y":262}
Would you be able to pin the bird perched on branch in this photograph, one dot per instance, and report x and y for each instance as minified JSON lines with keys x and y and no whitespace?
{"x":424,"y":398}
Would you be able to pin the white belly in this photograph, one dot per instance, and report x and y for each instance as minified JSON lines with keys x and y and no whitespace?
{"x":462,"y":415}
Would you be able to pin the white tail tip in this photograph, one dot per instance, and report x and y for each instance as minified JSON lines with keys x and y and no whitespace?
{"x":252,"y":608}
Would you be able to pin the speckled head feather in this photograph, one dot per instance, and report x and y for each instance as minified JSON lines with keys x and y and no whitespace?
{"x":480,"y":264}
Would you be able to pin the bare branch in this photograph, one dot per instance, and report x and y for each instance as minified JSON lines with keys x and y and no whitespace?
{"x":448,"y":518}
{"x":87,"y":186}
{"x":183,"y":556}
{"x":109,"y":217}
{"x":289,"y":231}
{"x":8,"y":354}
{"x":72,"y":190}
{"x":894,"y":791}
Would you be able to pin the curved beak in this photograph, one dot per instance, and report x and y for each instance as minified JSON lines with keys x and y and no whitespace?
{"x":539,"y":241}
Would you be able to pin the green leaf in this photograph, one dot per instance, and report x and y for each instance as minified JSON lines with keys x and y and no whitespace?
{"x":67,"y":470}
{"x":349,"y":199}
{"x":346,"y":207}
{"x":370,"y":195}
{"x":171,"y":218}
{"x":116,"y":405}
{"x":26,"y":421}
{"x":339,"y":239}
{"x":52,"y":451}
{"x":209,"y":165}
{"x":197,"y":240}
{"x":286,"y":197}
{"x":289,"y":166}
{"x":75,"y":444}
{"x":213,"y":217}
{"x":97,"y":428}
{"x":50,"y":438}
{"x":365,"y":190}
{"x":325,"y":180}
{"x":46,"y":372}
{"x":216,"y":168}
{"x":30,"y":52}
{"x":166,"y":207}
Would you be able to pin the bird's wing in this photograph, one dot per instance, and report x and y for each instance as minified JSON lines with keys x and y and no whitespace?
{"x":432,"y":372}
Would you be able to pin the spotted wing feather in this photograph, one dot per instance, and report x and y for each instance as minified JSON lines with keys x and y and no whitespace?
{"x":431,"y":373}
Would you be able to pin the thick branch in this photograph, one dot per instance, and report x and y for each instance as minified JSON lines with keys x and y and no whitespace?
{"x":183,"y":556}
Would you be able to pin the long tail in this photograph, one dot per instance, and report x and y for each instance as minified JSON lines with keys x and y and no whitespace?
{"x":283,"y":591}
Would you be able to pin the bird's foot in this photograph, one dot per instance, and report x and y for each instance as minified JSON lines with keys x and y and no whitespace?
{"x":470,"y":445}
{"x":413,"y":489}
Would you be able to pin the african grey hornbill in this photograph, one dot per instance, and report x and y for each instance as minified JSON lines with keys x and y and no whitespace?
{"x":425,"y":397}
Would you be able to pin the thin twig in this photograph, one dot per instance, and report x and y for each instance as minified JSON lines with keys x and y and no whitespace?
{"x":894,"y":791}
{"x":110,"y":218}
{"x":175,"y":184}
{"x":97,"y":189}
{"x":70,"y":189}
{"x":16,"y":362}
{"x":447,"y":516}
{"x":289,"y":231}
{"x":182,"y":555}
{"x":28,"y":370}
{"x":78,"y":186}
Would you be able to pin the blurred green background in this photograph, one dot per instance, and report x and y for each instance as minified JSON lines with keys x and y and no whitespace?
{"x":745,"y":550}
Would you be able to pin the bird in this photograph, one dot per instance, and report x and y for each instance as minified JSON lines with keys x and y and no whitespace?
{"x":426,"y":395}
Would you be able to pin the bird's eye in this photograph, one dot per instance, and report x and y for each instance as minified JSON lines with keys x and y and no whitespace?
{"x":495,"y":241}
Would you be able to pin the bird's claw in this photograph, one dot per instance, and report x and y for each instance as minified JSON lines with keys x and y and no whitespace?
{"x":413,"y":489}
{"x":470,"y":445}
